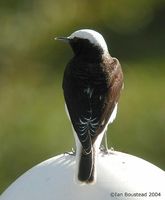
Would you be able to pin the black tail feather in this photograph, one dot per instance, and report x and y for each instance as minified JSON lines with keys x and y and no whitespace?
{"x":86,"y":167}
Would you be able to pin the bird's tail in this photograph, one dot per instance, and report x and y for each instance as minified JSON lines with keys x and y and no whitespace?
{"x":86,"y":171}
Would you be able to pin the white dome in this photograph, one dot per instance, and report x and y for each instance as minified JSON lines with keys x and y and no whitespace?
{"x":119,"y":175}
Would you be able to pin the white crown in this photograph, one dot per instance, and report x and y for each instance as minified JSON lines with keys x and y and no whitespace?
{"x":93,"y":36}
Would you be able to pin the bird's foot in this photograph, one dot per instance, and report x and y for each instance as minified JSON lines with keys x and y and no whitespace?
{"x":104,"y":149}
{"x":71,"y":153}
{"x":111,"y":150}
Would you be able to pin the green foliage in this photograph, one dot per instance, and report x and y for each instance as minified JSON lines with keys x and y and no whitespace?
{"x":33,"y":123}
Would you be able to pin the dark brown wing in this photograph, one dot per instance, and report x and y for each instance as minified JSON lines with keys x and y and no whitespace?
{"x":115,"y":82}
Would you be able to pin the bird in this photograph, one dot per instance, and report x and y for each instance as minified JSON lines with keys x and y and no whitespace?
{"x":92,"y":84}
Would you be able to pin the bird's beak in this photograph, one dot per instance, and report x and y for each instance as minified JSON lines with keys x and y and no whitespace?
{"x":65,"y":39}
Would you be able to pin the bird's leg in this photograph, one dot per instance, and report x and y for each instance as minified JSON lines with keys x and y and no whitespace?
{"x":72,"y":153}
{"x":106,"y":142}
{"x":104,"y":146}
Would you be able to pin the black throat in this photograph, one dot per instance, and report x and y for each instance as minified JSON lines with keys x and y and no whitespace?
{"x":88,"y":51}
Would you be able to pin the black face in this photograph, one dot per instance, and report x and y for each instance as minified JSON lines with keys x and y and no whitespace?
{"x":82,"y":47}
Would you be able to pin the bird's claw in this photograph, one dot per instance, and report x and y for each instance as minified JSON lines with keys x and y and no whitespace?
{"x":104,"y":149}
{"x":71,"y":153}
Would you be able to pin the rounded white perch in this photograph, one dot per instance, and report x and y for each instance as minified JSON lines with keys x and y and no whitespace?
{"x":120,"y":176}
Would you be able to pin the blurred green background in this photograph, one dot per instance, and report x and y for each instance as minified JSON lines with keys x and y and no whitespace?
{"x":33,"y":123}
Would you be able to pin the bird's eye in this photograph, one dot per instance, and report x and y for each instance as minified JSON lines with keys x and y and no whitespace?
{"x":75,"y":39}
